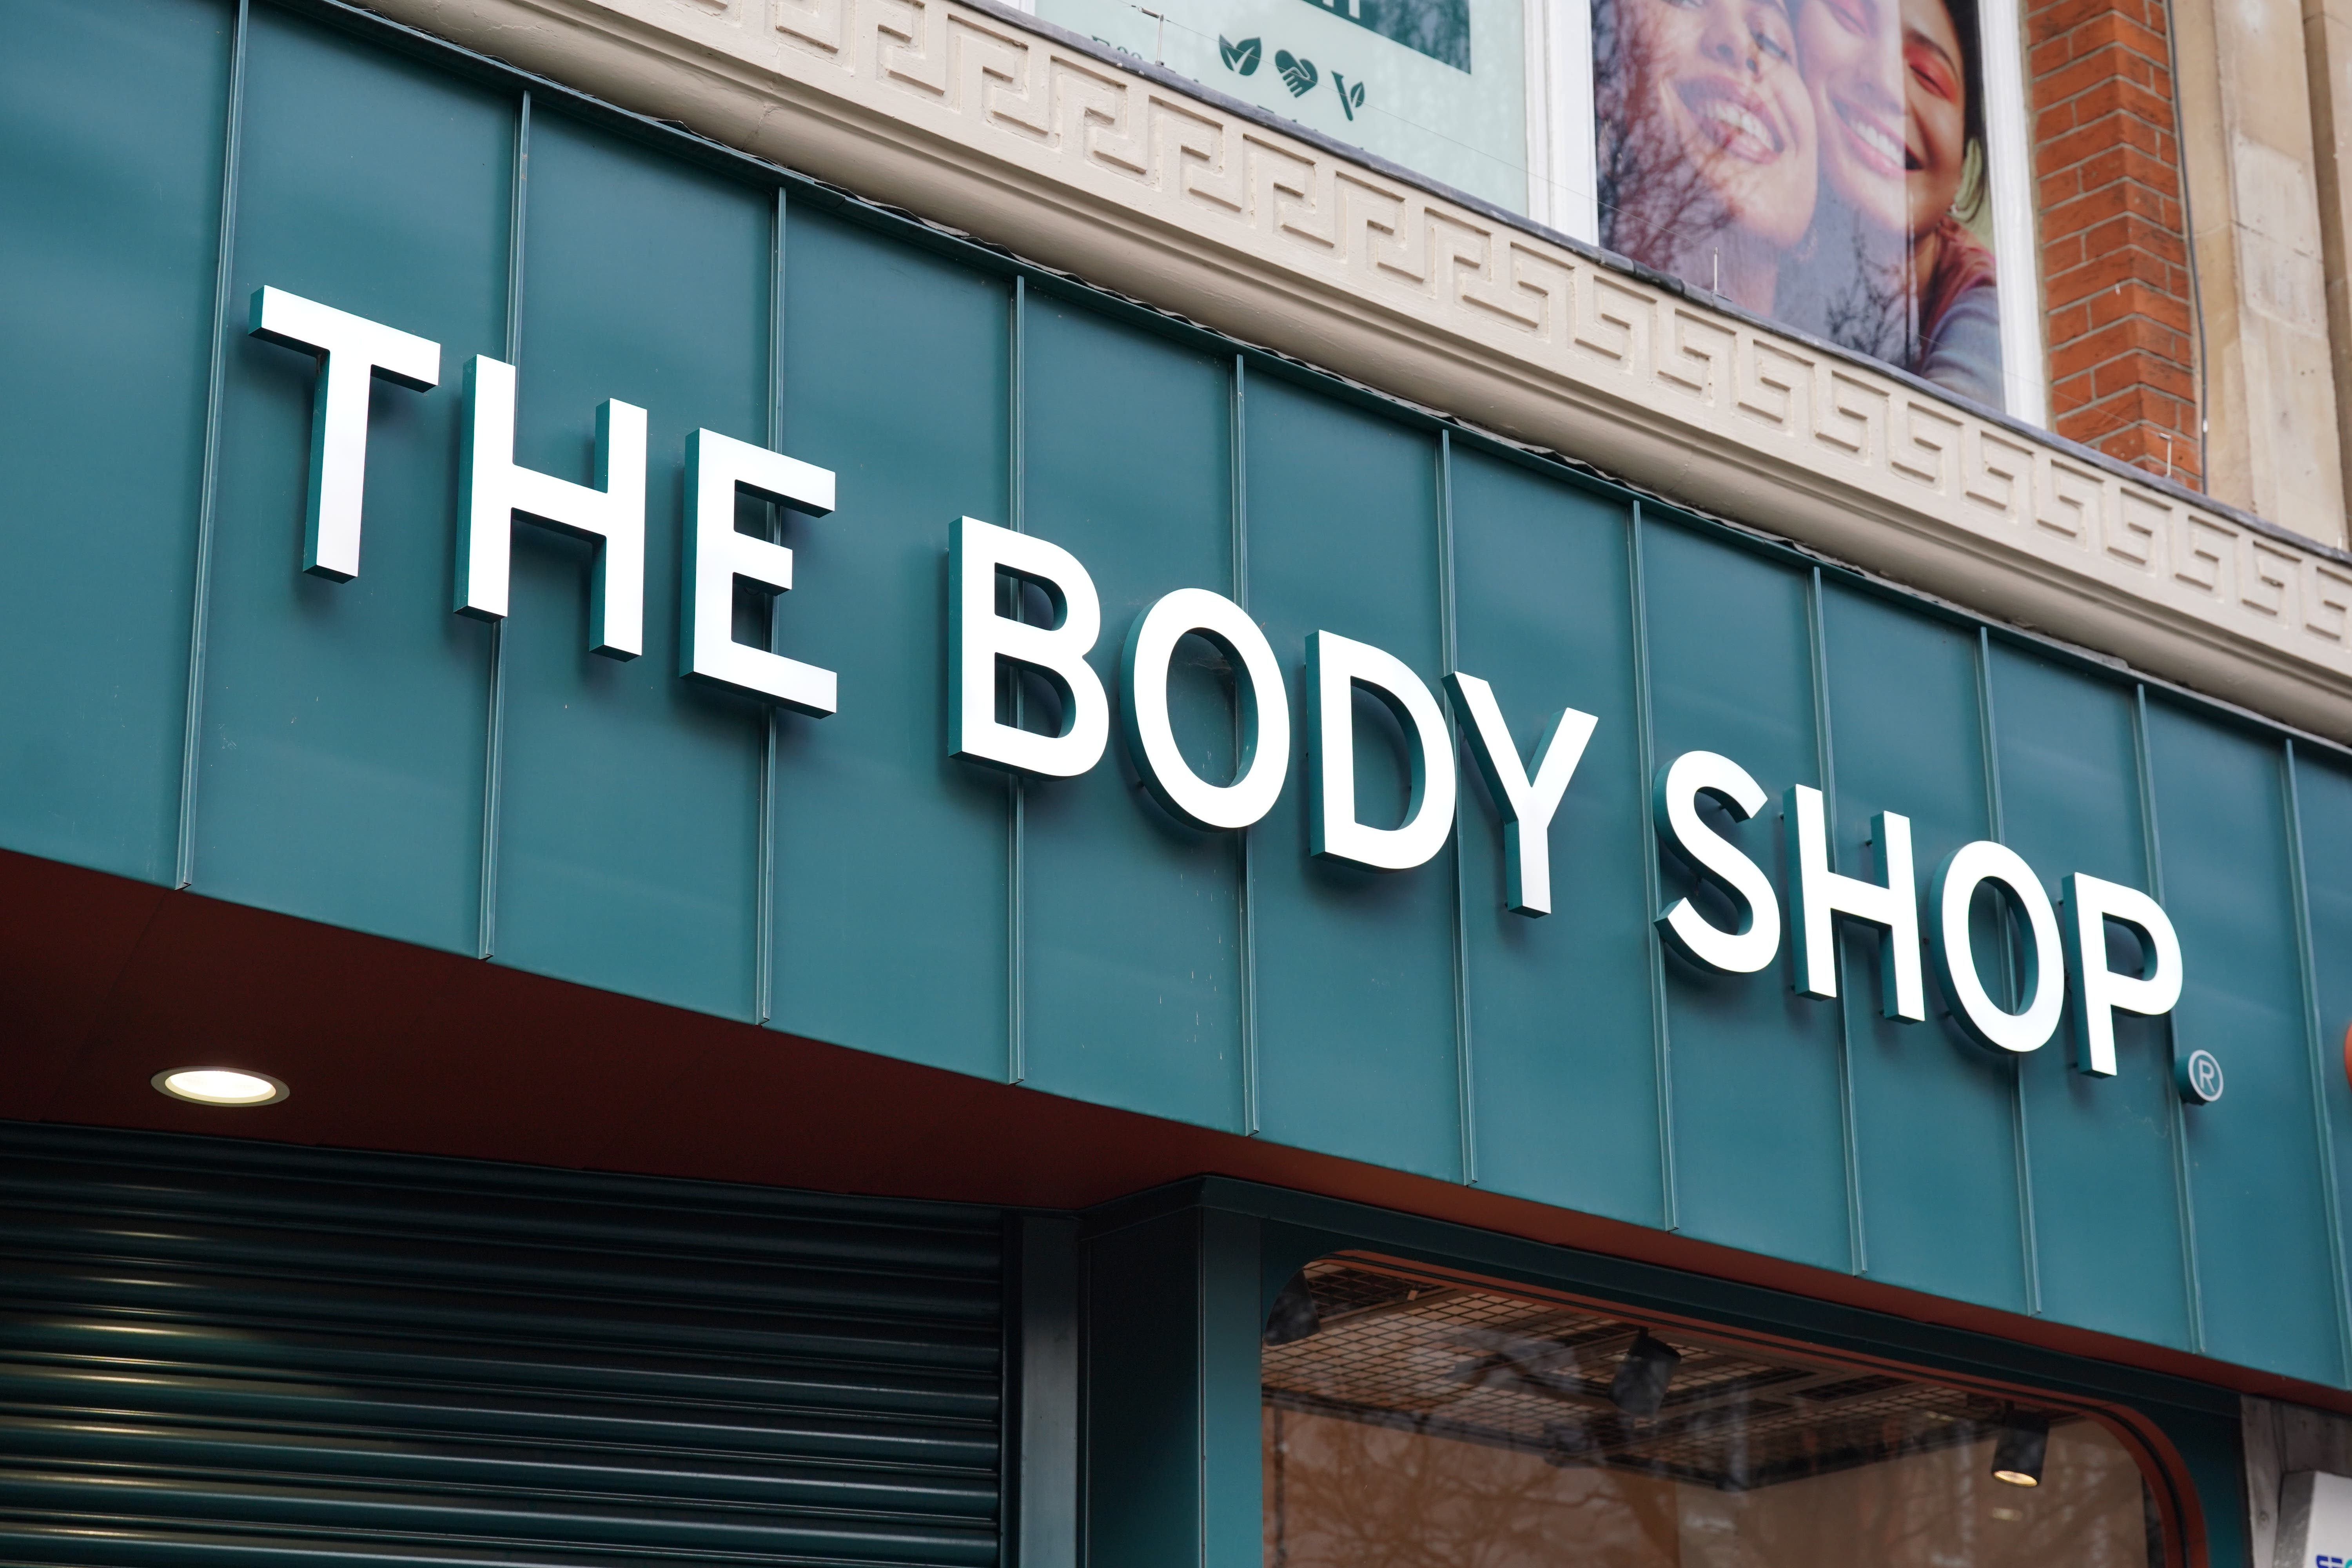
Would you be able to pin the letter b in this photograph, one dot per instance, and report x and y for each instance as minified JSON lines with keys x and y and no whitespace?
{"x":979,"y":638}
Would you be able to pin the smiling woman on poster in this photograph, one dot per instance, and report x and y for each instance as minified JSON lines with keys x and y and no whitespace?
{"x":1955,"y":321}
{"x":1893,"y":270}
{"x":1821,"y":165}
{"x":1707,"y":163}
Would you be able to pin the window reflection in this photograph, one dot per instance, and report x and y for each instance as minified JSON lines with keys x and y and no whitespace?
{"x":1409,"y":1424}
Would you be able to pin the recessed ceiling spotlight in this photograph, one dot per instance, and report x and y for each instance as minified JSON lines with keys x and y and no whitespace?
{"x":2019,"y":1450}
{"x":220,"y":1086}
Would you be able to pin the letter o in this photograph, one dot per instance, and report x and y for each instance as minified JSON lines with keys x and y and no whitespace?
{"x":1952,"y":946}
{"x":1151,"y":738}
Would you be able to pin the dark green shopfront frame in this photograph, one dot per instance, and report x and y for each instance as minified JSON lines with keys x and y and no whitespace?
{"x":1177,"y":1283}
{"x":184,"y":705}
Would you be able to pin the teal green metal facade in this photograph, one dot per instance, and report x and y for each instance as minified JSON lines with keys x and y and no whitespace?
{"x":183,"y":705}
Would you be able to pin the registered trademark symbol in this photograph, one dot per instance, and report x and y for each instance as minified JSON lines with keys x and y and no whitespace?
{"x":2200,"y":1078}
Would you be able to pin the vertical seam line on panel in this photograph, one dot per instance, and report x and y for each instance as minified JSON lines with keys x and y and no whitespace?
{"x":494,"y":738}
{"x":2021,"y":1140}
{"x":1017,"y":823}
{"x":2152,"y":850}
{"x":1465,"y":1074}
{"x":1201,"y":1386}
{"x":763,"y":908}
{"x":2316,"y":1048}
{"x":1247,"y":913}
{"x":1013,"y":1409}
{"x":1661,"y":1047}
{"x":191,"y":718}
{"x":1081,"y":1365}
{"x":1082,"y":1398}
{"x":1824,"y":760}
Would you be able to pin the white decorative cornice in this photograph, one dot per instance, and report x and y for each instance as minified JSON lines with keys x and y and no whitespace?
{"x":1037,"y":142}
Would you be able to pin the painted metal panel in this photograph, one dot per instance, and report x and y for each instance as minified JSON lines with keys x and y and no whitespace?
{"x":1757,"y":1071}
{"x":896,"y":370}
{"x":342,"y":742}
{"x":2323,"y":815}
{"x":1171,"y":1470}
{"x":2266,"y":1285}
{"x":107,"y":306}
{"x":371,"y":1359}
{"x":1144,"y":1438}
{"x":2106,"y":1220}
{"x":1934,"y":1114}
{"x":1355,"y":968}
{"x":1544,"y":572}
{"x":369,"y":759}
{"x":1145,"y":1011}
{"x":629,"y":799}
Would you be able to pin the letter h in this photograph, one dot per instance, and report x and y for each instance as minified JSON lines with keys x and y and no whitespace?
{"x":496,"y":489}
{"x":1817,"y":894}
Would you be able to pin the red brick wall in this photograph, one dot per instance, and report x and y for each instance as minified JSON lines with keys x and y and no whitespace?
{"x":2115,"y":247}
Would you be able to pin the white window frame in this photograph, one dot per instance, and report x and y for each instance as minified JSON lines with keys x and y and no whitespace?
{"x":2009,"y":159}
{"x":1563,"y":186}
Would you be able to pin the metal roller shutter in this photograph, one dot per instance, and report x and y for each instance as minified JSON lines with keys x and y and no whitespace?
{"x":222,"y":1353}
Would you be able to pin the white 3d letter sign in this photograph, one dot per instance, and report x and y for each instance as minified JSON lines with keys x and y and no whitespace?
{"x":717,"y":466}
{"x":1718,"y":861}
{"x":1336,"y":665}
{"x":979,"y":638}
{"x":1952,"y":944}
{"x":494,"y":490}
{"x":2099,"y":992}
{"x":1526,"y":805}
{"x":1817,"y":896}
{"x":2065,"y":948}
{"x":1151,"y":736}
{"x":352,"y":351}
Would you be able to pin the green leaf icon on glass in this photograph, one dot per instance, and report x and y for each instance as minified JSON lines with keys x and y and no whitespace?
{"x":1351,"y":98}
{"x":1241,"y":58}
{"x":1299,"y":75}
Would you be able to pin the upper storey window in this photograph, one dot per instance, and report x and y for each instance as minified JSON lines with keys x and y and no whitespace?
{"x":1851,"y":169}
{"x":1439,"y":86}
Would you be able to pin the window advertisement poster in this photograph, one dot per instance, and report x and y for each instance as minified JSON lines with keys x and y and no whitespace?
{"x":1820,"y":162}
{"x":1437,"y":85}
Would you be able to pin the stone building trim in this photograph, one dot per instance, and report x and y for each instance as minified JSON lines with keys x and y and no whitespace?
{"x":976,"y":117}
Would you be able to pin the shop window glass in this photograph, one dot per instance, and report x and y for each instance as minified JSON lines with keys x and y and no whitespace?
{"x":1439,"y":86}
{"x":1408,"y":1424}
{"x":1853,"y":169}
{"x":1825,"y":164}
